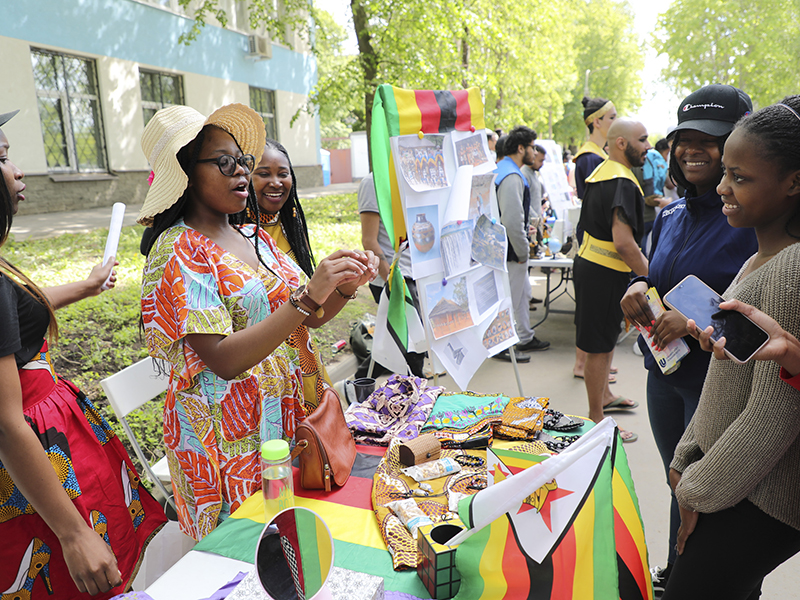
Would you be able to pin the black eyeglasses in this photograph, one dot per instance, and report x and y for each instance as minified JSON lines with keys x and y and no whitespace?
{"x":227,"y":163}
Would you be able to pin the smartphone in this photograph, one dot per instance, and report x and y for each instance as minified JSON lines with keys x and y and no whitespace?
{"x":695,"y":300}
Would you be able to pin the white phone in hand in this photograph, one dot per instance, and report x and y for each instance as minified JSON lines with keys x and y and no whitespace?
{"x":695,"y":300}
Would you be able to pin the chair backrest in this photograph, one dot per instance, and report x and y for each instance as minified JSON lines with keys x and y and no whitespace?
{"x":128,"y":390}
{"x":135,"y":385}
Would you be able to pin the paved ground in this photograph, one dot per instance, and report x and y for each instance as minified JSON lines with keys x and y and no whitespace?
{"x":76,"y":221}
{"x":548,"y":374}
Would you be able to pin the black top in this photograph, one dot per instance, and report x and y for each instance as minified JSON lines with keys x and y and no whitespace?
{"x":23,"y":322}
{"x":602,"y":198}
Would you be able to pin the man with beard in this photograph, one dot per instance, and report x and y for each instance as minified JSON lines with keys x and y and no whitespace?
{"x":612,"y":220}
{"x":514,"y":202}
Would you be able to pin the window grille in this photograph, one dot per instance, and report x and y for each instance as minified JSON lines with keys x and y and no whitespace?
{"x":158,"y":91}
{"x":69,"y":109}
{"x":263,"y":102}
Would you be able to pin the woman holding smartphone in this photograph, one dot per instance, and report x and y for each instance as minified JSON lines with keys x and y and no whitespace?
{"x":736,"y":470}
{"x":690,"y":237}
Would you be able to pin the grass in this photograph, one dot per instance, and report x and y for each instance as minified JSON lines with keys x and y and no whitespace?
{"x":100,"y":336}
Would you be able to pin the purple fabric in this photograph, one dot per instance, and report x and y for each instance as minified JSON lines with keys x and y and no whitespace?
{"x":133,"y":596}
{"x":226,"y":589}
{"x":399,"y":596}
{"x":397,"y":409}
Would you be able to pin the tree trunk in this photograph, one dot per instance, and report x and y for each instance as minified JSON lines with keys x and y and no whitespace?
{"x":368,"y":60}
{"x":465,"y":57}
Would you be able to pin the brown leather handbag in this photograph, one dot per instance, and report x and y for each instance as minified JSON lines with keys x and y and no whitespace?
{"x":325,"y":446}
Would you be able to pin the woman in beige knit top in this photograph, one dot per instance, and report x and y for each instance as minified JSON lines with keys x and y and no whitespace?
{"x":736,"y":470}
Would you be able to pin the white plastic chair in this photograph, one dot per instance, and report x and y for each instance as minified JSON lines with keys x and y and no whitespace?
{"x":128,"y":390}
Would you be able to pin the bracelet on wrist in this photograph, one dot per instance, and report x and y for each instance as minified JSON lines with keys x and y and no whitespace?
{"x":299,"y":308}
{"x":345,"y":296}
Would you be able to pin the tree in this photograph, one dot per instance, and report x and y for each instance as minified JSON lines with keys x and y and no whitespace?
{"x":605,"y":39}
{"x":338,"y":95}
{"x":753,"y":45}
{"x":527,"y":56}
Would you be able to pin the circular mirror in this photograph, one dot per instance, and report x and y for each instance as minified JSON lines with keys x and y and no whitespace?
{"x":294,"y":555}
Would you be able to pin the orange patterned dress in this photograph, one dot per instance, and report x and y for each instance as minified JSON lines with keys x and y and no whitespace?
{"x":213,"y":427}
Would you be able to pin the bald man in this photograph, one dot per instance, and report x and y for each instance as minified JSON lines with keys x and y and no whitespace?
{"x":612,"y":221}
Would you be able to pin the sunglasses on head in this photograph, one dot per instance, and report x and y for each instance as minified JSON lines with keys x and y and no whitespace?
{"x":227,"y":163}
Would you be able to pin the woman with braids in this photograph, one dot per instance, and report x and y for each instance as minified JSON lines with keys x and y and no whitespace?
{"x":219,"y":302}
{"x":736,"y":469}
{"x":64,"y":475}
{"x":690,"y":237}
{"x":279,"y":214}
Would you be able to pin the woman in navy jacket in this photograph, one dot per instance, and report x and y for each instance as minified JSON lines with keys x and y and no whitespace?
{"x":691,"y":236}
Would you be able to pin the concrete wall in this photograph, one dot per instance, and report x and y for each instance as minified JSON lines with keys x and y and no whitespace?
{"x":48,"y":194}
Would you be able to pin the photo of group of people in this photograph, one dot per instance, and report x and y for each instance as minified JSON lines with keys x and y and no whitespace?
{"x":469,"y":151}
{"x":422,"y":162}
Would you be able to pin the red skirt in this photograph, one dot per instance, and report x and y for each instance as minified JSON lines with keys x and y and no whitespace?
{"x":95,"y":472}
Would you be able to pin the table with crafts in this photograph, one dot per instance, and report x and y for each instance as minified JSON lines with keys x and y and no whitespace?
{"x":605,"y":526}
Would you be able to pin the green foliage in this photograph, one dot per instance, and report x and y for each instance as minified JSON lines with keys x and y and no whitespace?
{"x":328,"y":214}
{"x":605,"y":38}
{"x":338,"y":95}
{"x":528,"y":57}
{"x":751,"y":44}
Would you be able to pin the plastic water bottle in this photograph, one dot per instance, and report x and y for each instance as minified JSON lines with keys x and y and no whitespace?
{"x":277,"y":480}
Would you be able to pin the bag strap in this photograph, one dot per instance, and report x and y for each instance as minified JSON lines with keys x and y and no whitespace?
{"x":298,"y":449}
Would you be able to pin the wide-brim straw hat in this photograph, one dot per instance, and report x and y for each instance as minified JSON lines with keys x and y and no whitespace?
{"x":171,"y":129}
{"x":6,"y":117}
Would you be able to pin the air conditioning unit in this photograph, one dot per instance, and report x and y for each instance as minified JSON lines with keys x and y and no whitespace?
{"x":259,"y":47}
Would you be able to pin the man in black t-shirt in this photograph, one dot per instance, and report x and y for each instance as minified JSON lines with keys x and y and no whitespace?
{"x":612,"y":221}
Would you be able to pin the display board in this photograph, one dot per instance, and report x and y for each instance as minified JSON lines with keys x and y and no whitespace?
{"x":434,"y":182}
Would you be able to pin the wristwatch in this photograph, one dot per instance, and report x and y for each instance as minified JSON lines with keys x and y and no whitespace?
{"x":300,"y":296}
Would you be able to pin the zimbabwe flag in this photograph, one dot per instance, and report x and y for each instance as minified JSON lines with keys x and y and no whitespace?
{"x":397,"y":111}
{"x":578,"y":537}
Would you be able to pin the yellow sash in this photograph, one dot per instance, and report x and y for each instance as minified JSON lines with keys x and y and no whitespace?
{"x":611,"y":169}
{"x":602,"y":253}
{"x":591,"y":148}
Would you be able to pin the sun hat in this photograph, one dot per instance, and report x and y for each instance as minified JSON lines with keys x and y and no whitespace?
{"x":713,"y":109}
{"x":6,"y":117}
{"x":171,"y":129}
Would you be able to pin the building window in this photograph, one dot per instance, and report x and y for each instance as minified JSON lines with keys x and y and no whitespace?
{"x":159,"y":90}
{"x":263,"y":102}
{"x":69,"y":108}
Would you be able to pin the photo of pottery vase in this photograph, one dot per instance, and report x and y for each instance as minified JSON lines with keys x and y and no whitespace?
{"x":423,"y":233}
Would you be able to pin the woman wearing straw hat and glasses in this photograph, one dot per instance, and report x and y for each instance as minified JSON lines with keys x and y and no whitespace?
{"x":218,"y":302}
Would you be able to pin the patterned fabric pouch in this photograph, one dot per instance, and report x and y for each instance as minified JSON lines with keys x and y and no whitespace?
{"x":523,"y":418}
{"x":459,"y":417}
{"x":397,"y":409}
{"x":390,"y":484}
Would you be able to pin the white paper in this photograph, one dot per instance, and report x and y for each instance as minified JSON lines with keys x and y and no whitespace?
{"x":461,"y":355}
{"x":484,"y":292}
{"x":456,"y":247}
{"x":471,"y":148}
{"x":490,"y":244}
{"x":448,"y":306}
{"x":554,"y":179}
{"x":482,"y":197}
{"x":421,"y":161}
{"x":458,"y":205}
{"x":114,"y":229}
{"x":424,"y":231}
{"x":498,"y":332}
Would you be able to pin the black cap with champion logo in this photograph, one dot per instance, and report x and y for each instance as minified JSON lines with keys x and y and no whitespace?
{"x":713,"y":109}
